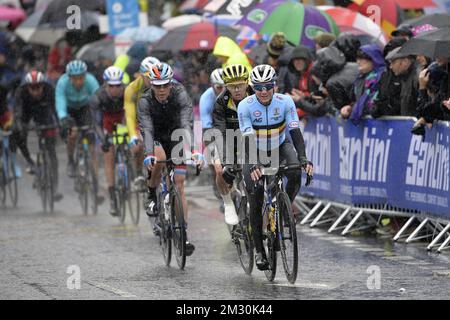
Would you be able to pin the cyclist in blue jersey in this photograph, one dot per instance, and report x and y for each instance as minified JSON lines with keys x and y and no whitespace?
{"x":207,"y":101}
{"x":73,"y":92}
{"x":264,"y":117}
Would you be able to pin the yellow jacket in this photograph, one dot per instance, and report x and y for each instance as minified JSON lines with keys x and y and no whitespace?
{"x":131,"y":98}
{"x":122,"y":62}
{"x":228,"y":48}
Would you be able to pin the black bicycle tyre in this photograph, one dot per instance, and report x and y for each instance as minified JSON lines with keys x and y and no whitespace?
{"x":40,"y":181}
{"x":243,"y":239}
{"x":48,"y":183}
{"x":178,"y":232}
{"x":285,"y":214}
{"x":133,"y":198}
{"x":165,"y":238}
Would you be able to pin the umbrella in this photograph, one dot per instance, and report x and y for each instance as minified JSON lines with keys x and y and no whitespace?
{"x":12,"y":15}
{"x":181,"y":21}
{"x":391,"y":13}
{"x":433,"y":44}
{"x":192,"y":5}
{"x":438,"y":20}
{"x":354,"y":22}
{"x":57,"y":9}
{"x":94,"y":51}
{"x":33,"y":30}
{"x":221,"y":19}
{"x":198,"y":36}
{"x":148,"y":34}
{"x":300,"y":23}
{"x":232,"y":7}
{"x":442,"y":6}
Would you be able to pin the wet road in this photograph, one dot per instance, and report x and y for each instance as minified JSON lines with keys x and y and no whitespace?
{"x":39,"y":253}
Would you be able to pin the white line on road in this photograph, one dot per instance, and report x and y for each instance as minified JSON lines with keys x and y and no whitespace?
{"x":108,"y":288}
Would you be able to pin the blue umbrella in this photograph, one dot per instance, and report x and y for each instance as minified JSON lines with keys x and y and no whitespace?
{"x":148,"y":34}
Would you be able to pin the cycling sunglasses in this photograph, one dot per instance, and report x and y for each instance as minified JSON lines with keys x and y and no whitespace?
{"x":264,"y":86}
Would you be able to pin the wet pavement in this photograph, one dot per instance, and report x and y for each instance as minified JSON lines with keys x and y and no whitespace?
{"x":39,"y":253}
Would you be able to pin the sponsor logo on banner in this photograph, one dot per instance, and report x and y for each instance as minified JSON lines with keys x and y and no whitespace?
{"x":257,"y":16}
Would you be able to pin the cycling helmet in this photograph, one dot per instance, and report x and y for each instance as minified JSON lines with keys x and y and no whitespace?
{"x":76,"y":68}
{"x":113,"y":76}
{"x":34,"y":77}
{"x":216,"y":76}
{"x":263,"y":74}
{"x":161,"y":73}
{"x":147,"y":64}
{"x":235,"y":73}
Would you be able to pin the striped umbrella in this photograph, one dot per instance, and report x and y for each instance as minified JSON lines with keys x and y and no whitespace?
{"x":300,"y":23}
{"x":197,"y":36}
{"x":354,"y":22}
{"x":391,"y":11}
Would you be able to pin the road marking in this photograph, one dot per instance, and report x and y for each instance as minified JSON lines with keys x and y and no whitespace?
{"x":441,"y":273}
{"x":400,"y":258}
{"x":108,"y":288}
{"x":370,"y":249}
{"x":306,"y":285}
{"x":418,"y":263}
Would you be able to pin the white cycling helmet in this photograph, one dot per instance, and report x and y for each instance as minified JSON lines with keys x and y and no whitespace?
{"x":216,"y":77}
{"x":113,"y":76}
{"x":147,"y":64}
{"x":263,"y":74}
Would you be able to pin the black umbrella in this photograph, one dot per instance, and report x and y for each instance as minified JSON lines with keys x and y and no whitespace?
{"x":438,"y":20}
{"x":57,"y":9}
{"x":433,"y":44}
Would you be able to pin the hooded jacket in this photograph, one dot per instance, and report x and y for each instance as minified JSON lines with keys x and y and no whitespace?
{"x":366,"y":86}
{"x":228,"y":48}
{"x":336,"y":74}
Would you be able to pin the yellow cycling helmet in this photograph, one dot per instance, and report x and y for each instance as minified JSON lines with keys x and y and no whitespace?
{"x":235,"y":73}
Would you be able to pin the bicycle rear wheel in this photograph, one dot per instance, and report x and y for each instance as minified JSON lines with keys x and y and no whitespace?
{"x":178,"y":231}
{"x":40,"y":183}
{"x":133,"y":198}
{"x":287,"y":237}
{"x":12,"y":183}
{"x":48,"y":183}
{"x":242,"y":238}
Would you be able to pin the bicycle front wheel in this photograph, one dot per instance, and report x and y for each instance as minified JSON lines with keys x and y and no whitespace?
{"x":287,"y":236}
{"x":241,"y":236}
{"x":271,"y":256}
{"x":40,"y":181}
{"x":48,"y":183}
{"x":178,"y":228}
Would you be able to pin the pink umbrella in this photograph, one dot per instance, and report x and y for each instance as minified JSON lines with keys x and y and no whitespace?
{"x":13,"y":15}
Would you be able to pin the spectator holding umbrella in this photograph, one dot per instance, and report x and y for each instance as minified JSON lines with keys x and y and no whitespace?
{"x":58,"y":57}
{"x":336,"y":74}
{"x":371,"y":66}
{"x":430,"y":103}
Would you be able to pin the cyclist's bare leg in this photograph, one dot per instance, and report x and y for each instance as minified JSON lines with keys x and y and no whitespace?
{"x":71,"y":141}
{"x":220,"y":182}
{"x":109,"y":166}
{"x":138,"y":155}
{"x":156,"y":172}
{"x":179,"y":182}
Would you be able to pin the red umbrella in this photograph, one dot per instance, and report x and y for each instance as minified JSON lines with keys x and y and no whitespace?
{"x":197,"y":36}
{"x":193,"y":5}
{"x":15,"y":16}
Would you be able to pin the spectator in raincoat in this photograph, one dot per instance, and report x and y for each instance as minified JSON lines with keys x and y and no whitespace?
{"x":295,"y":79}
{"x":371,"y":67}
{"x":228,"y":53}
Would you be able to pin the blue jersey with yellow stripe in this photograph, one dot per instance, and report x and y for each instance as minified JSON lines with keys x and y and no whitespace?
{"x":269,"y":123}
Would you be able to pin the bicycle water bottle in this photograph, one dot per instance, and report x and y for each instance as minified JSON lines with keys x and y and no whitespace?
{"x":167,"y":207}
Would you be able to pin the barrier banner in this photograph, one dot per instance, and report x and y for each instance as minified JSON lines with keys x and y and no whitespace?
{"x":380,"y":162}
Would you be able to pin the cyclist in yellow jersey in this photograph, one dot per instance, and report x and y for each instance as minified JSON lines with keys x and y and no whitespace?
{"x":132,"y":95}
